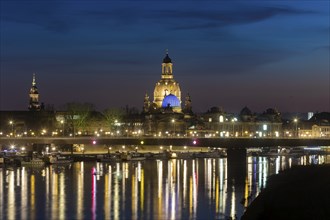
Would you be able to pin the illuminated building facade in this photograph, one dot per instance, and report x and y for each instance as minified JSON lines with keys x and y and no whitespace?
{"x":167,"y":92}
{"x":34,"y":96}
{"x":217,"y":123}
{"x":168,"y":114}
{"x":165,"y":115}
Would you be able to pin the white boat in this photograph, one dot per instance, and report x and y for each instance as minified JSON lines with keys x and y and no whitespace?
{"x":58,"y":160}
{"x":132,"y":156}
{"x":33,"y":162}
{"x":296,"y":152}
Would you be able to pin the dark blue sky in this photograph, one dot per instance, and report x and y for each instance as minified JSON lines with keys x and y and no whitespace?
{"x":225,"y":53}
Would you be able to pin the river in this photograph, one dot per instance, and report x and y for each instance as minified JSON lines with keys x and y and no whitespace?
{"x":150,"y":189}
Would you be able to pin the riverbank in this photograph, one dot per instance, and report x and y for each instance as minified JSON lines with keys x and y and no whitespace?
{"x":302,"y":192}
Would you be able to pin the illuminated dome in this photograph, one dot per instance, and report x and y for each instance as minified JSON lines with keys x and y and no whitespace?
{"x":167,"y":87}
{"x":171,"y":101}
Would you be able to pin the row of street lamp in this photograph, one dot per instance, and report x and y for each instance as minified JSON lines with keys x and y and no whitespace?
{"x":62,"y":122}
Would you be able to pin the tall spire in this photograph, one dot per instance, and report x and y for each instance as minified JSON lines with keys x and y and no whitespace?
{"x":34,"y":96}
{"x":146,"y":103}
{"x":187,"y":105}
{"x":167,"y":59}
{"x":34,"y":79}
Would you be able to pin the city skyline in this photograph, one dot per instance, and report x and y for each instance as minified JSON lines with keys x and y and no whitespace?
{"x":225,"y":54}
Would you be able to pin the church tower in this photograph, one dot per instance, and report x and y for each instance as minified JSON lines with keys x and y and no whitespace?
{"x":187,"y":105}
{"x":146,"y":103}
{"x":34,"y":96}
{"x":167,"y":91}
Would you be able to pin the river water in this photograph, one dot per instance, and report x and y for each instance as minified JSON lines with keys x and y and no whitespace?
{"x":155,"y":189}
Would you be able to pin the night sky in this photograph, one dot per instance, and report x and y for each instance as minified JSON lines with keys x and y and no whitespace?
{"x":229,"y":54}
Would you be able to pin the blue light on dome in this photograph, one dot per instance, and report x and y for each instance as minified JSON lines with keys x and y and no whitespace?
{"x":171,"y":101}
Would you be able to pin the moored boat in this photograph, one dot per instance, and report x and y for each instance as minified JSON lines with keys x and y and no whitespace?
{"x":110,"y":158}
{"x":57,"y":159}
{"x":211,"y":154}
{"x":132,"y":156}
{"x":33,"y":162}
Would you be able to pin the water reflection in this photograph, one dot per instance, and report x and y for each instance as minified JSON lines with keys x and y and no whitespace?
{"x":160,"y":189}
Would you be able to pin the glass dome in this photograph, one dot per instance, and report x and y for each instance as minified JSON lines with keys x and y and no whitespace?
{"x":170,"y":101}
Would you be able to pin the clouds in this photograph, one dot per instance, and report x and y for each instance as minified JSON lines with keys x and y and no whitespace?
{"x":213,"y":18}
{"x":49,"y":15}
{"x":60,"y":16}
{"x":120,"y":39}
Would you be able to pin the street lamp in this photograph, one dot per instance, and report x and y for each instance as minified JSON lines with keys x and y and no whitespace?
{"x":296,"y":123}
{"x":233,"y":121}
{"x":109,"y":150}
{"x":62,"y":122}
{"x":173,"y":121}
{"x":12,"y":126}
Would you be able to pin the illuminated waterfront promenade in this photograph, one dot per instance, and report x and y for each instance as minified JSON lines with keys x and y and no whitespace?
{"x":197,"y":141}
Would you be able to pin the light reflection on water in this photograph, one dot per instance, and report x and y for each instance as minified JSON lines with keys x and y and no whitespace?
{"x":159,"y":189}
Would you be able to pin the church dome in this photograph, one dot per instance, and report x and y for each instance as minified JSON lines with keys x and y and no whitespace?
{"x":170,"y":101}
{"x":167,"y":59}
{"x":246,"y":111}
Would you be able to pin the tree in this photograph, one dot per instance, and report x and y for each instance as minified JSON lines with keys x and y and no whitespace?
{"x":77,"y":115}
{"x":113,"y":115}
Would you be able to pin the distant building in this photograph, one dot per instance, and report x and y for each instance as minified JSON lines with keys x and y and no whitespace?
{"x":310,"y":115}
{"x":318,"y":126}
{"x":165,"y":115}
{"x":34,"y":96}
{"x":217,"y":122}
{"x":167,"y":92}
